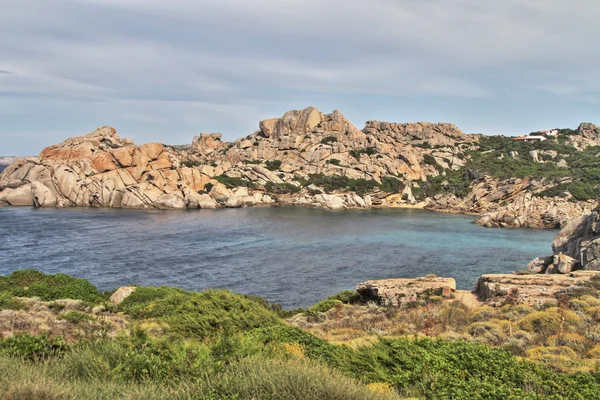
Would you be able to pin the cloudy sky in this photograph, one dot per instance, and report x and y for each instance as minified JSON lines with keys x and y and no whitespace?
{"x":166,"y":70}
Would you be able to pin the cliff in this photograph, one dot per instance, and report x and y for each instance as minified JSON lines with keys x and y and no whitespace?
{"x":312,"y":159}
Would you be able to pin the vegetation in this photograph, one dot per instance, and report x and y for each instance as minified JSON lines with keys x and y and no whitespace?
{"x":197,"y":315}
{"x":331,"y":183}
{"x":219,"y":345}
{"x":191,"y":163}
{"x":273,"y":165}
{"x":231,"y":182}
{"x":30,"y":283}
{"x":281,"y":188}
{"x":493,"y":158}
{"x":329,"y":139}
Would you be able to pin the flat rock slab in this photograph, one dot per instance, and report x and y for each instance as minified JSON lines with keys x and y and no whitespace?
{"x":121,"y":294}
{"x":398,"y":292}
{"x":532,"y":289}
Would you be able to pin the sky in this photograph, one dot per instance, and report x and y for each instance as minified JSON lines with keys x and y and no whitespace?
{"x":165,"y":71}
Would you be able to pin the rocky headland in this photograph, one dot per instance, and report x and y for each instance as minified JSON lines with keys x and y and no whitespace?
{"x":307,"y":158}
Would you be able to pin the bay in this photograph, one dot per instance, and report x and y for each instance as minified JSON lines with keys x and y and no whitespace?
{"x":291,"y":256}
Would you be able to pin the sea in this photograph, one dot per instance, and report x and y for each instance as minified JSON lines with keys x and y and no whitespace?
{"x":289,"y":255}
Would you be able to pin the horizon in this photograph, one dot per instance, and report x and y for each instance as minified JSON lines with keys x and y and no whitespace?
{"x":157,"y":70}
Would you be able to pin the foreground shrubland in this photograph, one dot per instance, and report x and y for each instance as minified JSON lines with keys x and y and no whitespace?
{"x":218,"y":345}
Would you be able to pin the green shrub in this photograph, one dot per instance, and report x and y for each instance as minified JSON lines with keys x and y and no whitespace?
{"x":23,"y":345}
{"x":31,"y":283}
{"x":346,"y":297}
{"x":230,"y":182}
{"x":334,"y":161}
{"x":190,"y":163}
{"x":273,"y":165}
{"x":198,"y":314}
{"x":281,"y":188}
{"x":8,"y":302}
{"x":323,"y":306}
{"x":329,"y":139}
{"x":390,"y":184}
{"x":75,"y":317}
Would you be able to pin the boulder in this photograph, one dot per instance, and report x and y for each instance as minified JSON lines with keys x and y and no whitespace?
{"x":399,"y":292}
{"x":330,"y":201}
{"x":539,"y":265}
{"x":21,"y":196}
{"x":121,"y":294}
{"x":234,"y":202}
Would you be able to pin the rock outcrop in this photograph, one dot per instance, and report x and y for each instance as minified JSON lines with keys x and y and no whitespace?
{"x":588,"y":135}
{"x":399,"y":292}
{"x":498,"y":289}
{"x":305,"y":158}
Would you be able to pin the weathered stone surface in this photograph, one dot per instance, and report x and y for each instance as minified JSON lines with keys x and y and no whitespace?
{"x":330,"y":201}
{"x":121,"y":294}
{"x":539,"y":265}
{"x":398,"y":292}
{"x":234,"y":202}
{"x":532,"y":289}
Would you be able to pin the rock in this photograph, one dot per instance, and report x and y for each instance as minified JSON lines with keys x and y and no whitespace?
{"x":170,"y":201}
{"x":234,"y":202}
{"x":564,"y":264}
{"x":330,"y":201}
{"x":21,"y":196}
{"x":207,"y":143}
{"x":296,"y":121}
{"x":220,"y":193}
{"x":205,"y":201}
{"x":42,"y":195}
{"x":533,"y":289}
{"x":121,"y":294}
{"x":539,"y":265}
{"x":399,"y":292}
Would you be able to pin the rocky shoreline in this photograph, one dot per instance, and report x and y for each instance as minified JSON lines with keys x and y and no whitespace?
{"x":305,"y":158}
{"x":575,"y":262}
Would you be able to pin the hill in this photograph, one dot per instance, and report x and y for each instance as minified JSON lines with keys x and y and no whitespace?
{"x":308,"y":158}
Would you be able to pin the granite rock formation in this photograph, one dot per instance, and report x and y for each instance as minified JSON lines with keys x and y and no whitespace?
{"x":305,"y":158}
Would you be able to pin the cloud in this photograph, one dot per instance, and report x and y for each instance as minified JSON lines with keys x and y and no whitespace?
{"x":186,"y":65}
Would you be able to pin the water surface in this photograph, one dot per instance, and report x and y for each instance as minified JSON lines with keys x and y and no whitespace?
{"x":292,"y":256}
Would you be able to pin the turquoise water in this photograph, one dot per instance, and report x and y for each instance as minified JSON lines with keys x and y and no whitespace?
{"x":292,"y":256}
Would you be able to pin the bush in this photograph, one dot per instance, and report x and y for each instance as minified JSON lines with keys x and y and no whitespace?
{"x":334,"y":161}
{"x":323,"y":306}
{"x":198,"y":314}
{"x":190,"y":163}
{"x":75,"y":317}
{"x":231,"y":183}
{"x":31,"y":283}
{"x":281,"y":188}
{"x":34,"y":348}
{"x":8,"y":302}
{"x":329,"y":139}
{"x":273,"y":165}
